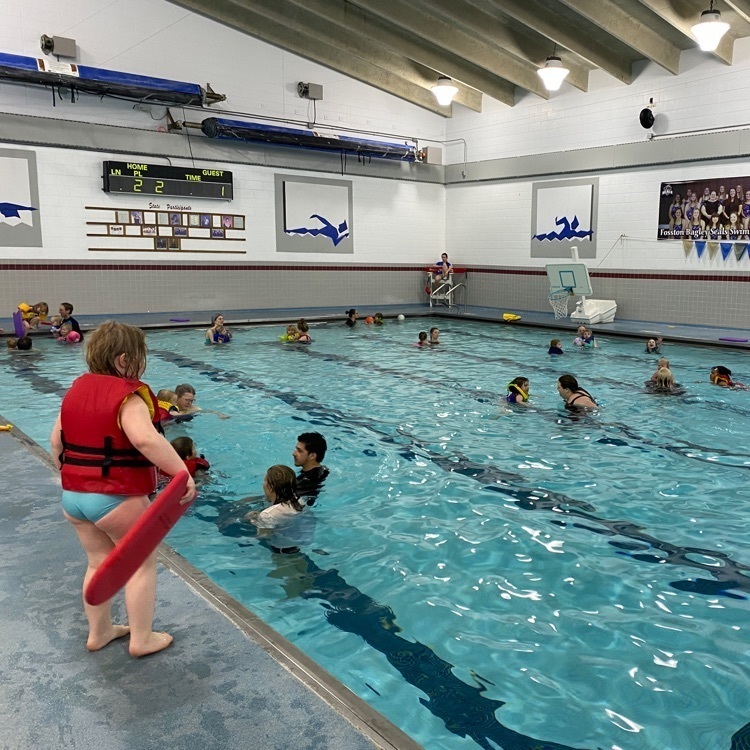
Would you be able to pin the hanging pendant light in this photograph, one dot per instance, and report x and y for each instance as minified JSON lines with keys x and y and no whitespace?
{"x":444,"y":91}
{"x":553,"y":73}
{"x":710,"y":29}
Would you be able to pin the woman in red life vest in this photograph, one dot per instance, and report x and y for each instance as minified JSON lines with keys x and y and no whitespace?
{"x":107,"y":448}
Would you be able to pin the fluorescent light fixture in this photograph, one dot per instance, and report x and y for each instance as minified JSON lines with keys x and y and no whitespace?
{"x":553,"y":73}
{"x":710,"y":29}
{"x":444,"y":91}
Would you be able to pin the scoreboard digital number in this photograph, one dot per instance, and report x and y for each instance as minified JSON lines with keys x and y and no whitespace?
{"x":156,"y":179}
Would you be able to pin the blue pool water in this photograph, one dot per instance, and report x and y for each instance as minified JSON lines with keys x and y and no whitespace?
{"x":484,"y":576}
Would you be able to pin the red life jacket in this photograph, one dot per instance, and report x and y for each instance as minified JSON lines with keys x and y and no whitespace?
{"x":97,"y":455}
{"x":196,"y":464}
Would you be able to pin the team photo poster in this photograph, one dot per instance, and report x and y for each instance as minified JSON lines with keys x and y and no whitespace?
{"x":705,"y":210}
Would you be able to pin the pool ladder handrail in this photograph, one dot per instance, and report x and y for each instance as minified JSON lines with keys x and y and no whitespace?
{"x":444,"y":292}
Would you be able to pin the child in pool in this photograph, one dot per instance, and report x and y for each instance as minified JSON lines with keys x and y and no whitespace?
{"x":585,"y":339}
{"x":111,"y":403}
{"x":12,"y":343}
{"x":422,"y":339}
{"x":185,"y":449}
{"x":663,"y":362}
{"x":555,"y":347}
{"x":281,"y":521}
{"x":291,"y":333}
{"x":378,"y":320}
{"x":518,"y":392}
{"x":66,"y":334}
{"x":722,"y":376}
{"x":302,"y":332}
{"x":55,"y":323}
{"x":166,"y":401}
{"x":653,"y":346}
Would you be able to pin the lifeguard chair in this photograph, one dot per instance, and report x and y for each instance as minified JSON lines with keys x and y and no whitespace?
{"x":450,"y":292}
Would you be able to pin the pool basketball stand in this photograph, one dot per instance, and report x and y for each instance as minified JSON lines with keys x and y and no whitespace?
{"x":569,"y":279}
{"x":447,"y":293}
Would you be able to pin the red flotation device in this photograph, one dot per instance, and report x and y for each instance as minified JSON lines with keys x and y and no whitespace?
{"x":139,"y":542}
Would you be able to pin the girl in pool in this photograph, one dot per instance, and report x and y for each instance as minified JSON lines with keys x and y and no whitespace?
{"x":722,"y":376}
{"x":574,"y":396}
{"x":663,"y":362}
{"x":351,"y":318}
{"x":653,"y":346}
{"x":218,"y":332}
{"x":665,"y":383}
{"x":111,"y":404}
{"x":518,"y":392}
{"x":279,"y":521}
{"x":422,"y":339}
{"x":303,"y":337}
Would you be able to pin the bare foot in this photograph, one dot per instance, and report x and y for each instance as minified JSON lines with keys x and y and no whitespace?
{"x":118,"y":631}
{"x":154,"y":643}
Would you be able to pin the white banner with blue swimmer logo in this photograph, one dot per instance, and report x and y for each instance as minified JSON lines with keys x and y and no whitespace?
{"x":563,"y":215}
{"x":313,"y":215}
{"x":20,"y":220}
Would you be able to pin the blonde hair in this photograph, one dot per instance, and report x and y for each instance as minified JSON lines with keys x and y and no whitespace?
{"x":663,"y":362}
{"x":664,"y":378}
{"x":165,"y":395}
{"x":283,"y":481}
{"x":108,"y":342}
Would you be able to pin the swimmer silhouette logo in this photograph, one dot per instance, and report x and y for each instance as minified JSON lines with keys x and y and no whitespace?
{"x":563,"y":215}
{"x":19,"y":200}
{"x":313,"y":215}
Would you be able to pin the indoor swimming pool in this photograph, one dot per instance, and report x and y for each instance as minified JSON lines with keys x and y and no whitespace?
{"x":484,"y":575}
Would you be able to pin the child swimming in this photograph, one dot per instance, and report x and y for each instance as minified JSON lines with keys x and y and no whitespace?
{"x":185,"y":449}
{"x":555,"y":347}
{"x":518,"y":391}
{"x":653,"y":346}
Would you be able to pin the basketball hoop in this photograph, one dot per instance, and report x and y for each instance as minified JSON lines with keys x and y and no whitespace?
{"x":559,"y":301}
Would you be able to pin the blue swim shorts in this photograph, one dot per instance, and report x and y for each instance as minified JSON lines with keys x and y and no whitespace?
{"x":89,"y":506}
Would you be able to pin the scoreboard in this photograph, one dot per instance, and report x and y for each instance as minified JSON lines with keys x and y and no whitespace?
{"x":156,"y":179}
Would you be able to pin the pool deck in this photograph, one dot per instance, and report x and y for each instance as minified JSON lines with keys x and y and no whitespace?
{"x":229,"y":681}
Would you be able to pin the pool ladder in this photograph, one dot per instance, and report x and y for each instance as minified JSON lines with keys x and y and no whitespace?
{"x":445,"y":294}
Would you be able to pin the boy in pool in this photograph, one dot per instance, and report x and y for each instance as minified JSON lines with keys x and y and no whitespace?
{"x":663,"y":362}
{"x":555,"y":347}
{"x":422,"y":339}
{"x":12,"y":343}
{"x":378,"y":320}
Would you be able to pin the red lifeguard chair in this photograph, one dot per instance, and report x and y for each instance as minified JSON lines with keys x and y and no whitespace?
{"x":450,"y":292}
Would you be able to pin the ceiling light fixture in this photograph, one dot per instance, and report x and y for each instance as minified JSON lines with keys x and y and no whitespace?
{"x":444,"y":91}
{"x":553,"y":73}
{"x":710,"y":29}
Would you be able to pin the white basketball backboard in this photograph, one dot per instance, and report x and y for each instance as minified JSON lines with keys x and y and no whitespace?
{"x":574,"y":276}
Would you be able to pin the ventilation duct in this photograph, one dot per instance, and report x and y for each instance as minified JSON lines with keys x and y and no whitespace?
{"x":76,"y":78}
{"x":237,"y":130}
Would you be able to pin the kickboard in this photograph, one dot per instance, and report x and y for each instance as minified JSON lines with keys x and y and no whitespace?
{"x":139,"y":542}
{"x":18,"y":324}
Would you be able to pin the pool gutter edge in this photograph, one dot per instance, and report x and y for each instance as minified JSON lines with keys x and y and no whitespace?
{"x":354,"y":709}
